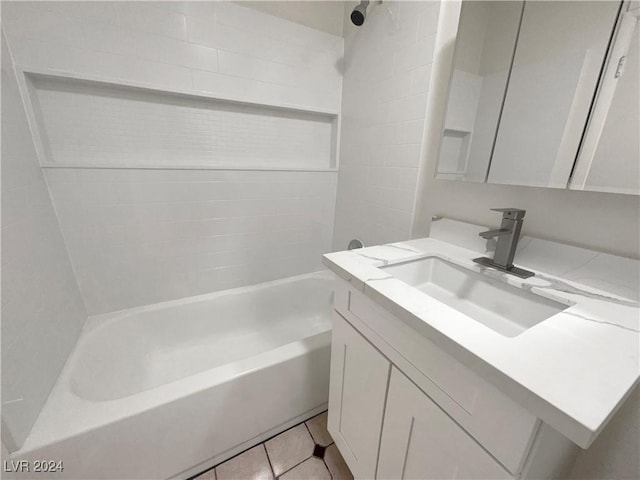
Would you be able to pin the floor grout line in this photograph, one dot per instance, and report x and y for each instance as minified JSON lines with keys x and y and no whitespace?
{"x":325,"y":448}
{"x":264,"y":446}
{"x":307,"y":458}
{"x":264,"y":442}
{"x":325,"y":462}
{"x":309,"y":430}
{"x":296,"y":465}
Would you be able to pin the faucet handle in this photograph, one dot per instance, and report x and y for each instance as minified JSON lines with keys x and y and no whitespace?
{"x":511,"y":213}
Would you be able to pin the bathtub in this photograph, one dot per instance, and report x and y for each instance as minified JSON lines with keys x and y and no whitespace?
{"x":168,"y":390}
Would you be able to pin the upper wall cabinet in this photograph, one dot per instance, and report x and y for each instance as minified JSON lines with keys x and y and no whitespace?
{"x":609,"y":158}
{"x":487,"y":34}
{"x":539,"y":96}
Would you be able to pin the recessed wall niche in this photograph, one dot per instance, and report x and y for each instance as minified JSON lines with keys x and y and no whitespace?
{"x":86,"y":123}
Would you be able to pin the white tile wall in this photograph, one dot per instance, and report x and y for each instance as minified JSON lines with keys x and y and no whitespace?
{"x":142,"y":236}
{"x":324,"y":15}
{"x":42,"y":310}
{"x":217,"y":47}
{"x":87,"y":123}
{"x":387,"y":69}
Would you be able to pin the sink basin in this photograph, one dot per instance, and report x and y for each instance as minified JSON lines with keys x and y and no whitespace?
{"x":503,"y":308}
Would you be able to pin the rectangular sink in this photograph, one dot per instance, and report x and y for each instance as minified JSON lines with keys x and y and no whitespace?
{"x":503,"y":308}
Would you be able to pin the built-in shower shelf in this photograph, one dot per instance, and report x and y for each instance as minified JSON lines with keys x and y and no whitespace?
{"x":67,"y":75}
{"x":201,"y":166}
{"x":86,"y":122}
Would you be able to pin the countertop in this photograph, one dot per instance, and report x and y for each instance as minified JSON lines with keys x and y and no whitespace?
{"x":573,"y":370}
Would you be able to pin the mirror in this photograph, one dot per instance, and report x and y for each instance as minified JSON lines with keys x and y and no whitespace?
{"x":560,"y":52}
{"x":485,"y":44}
{"x":523,"y":85}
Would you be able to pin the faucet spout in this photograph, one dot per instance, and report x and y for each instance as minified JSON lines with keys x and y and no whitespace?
{"x":508,"y":235}
{"x":494,"y":233}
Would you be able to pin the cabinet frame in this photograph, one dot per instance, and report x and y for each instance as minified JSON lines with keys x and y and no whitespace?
{"x":506,"y":431}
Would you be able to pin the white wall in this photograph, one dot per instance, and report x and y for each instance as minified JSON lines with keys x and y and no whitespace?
{"x":319,"y":14}
{"x":42,"y":310}
{"x":142,"y":236}
{"x":386,"y":77}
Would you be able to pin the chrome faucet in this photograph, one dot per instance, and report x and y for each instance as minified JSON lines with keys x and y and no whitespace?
{"x":508,"y":235}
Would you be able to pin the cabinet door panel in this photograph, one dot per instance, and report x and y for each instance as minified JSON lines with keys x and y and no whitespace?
{"x":560,"y":51}
{"x":474,"y":404}
{"x":420,"y":441}
{"x":358,"y":386}
{"x":608,"y":160}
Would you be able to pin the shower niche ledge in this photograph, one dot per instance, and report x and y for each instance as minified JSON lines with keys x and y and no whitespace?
{"x":90,"y":122}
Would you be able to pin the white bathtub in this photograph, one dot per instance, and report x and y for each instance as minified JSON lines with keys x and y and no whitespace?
{"x":167,"y":390}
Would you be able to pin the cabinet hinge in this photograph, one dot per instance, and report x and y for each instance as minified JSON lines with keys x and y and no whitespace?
{"x":620,"y":66}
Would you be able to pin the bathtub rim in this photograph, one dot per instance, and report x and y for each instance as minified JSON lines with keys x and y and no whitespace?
{"x":95,"y":323}
{"x":144,"y":323}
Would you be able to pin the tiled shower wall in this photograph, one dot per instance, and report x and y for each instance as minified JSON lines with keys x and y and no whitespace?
{"x":42,"y":310}
{"x":386,"y":79}
{"x":144,"y":236}
{"x":217,"y":47}
{"x":140,"y":236}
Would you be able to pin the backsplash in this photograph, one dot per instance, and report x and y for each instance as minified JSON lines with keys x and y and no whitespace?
{"x":611,"y":273}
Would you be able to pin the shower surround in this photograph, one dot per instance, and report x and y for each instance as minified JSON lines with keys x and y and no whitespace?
{"x":140,"y":215}
{"x":144,"y":217}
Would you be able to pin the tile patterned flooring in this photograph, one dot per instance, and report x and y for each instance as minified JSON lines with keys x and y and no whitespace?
{"x":304,"y":452}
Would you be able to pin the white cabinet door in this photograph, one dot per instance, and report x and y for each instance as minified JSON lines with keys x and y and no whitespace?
{"x":420,"y":441}
{"x":608,"y":160}
{"x":358,"y":386}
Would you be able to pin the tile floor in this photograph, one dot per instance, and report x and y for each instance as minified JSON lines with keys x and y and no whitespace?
{"x":304,"y":452}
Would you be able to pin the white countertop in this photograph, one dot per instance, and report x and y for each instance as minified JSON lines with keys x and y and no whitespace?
{"x":572,"y":370}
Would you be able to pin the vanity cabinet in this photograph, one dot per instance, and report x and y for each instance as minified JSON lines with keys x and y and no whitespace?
{"x":419,"y":440}
{"x":359,"y":375}
{"x":401,"y":407}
